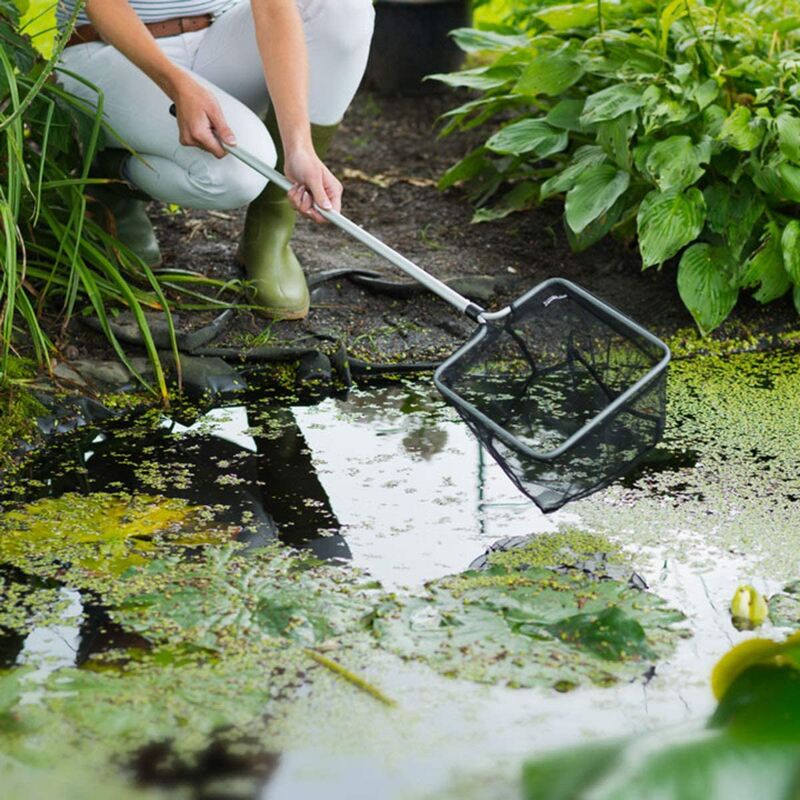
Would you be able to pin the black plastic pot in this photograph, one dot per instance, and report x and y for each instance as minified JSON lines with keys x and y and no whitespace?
{"x":411,"y":41}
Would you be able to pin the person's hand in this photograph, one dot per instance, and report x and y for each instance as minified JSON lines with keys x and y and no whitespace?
{"x":312,"y":183}
{"x":201,"y":122}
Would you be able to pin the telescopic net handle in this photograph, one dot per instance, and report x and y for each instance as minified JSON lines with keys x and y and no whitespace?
{"x":434,"y":285}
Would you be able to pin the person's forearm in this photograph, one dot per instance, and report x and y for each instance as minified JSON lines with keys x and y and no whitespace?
{"x":279,"y":33}
{"x":118,"y":24}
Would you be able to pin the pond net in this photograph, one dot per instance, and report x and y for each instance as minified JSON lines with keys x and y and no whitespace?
{"x":565,"y":392}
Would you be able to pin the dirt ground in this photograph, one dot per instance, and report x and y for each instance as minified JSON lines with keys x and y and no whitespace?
{"x":389,"y":157}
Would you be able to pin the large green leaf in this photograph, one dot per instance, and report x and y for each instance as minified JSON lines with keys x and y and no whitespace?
{"x":611,"y":103}
{"x":478,"y":78}
{"x":789,"y":136}
{"x":594,"y":193}
{"x":706,"y":93}
{"x":566,"y":114}
{"x":741,"y":130}
{"x":472,"y":40}
{"x":675,"y":163}
{"x":463,"y":170}
{"x":533,"y":136}
{"x":530,"y":626}
{"x":614,"y":137}
{"x":789,"y":175}
{"x":667,"y":222}
{"x":583,"y":158}
{"x":790,"y":245}
{"x":749,"y":748}
{"x":704,"y":285}
{"x":601,"y":227}
{"x":570,"y":15}
{"x":690,"y":764}
{"x":549,"y":74}
{"x":734,"y":212}
{"x":522,"y":196}
{"x":609,"y":634}
{"x":765,"y":269}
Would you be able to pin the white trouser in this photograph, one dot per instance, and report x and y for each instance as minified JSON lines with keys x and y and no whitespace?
{"x":225,"y":58}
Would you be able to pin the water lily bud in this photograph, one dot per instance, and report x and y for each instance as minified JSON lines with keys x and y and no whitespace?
{"x":748,"y":608}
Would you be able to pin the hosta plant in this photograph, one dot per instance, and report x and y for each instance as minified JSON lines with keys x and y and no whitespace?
{"x":676,"y":122}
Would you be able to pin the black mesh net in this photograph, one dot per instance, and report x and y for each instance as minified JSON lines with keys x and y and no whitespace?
{"x":565,"y":392}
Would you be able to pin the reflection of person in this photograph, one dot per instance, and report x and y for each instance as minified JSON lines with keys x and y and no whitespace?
{"x":269,"y":488}
{"x":215,"y":59}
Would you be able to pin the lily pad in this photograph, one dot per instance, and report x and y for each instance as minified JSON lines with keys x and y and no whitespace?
{"x":532,"y":627}
{"x":784,"y":607}
{"x":229,"y":602}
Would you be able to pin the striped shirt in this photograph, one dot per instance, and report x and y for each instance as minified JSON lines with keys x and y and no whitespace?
{"x":152,"y":10}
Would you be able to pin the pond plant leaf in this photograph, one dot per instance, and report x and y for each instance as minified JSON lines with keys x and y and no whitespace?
{"x":749,"y":748}
{"x":531,"y":626}
{"x":227,"y":596}
{"x":784,"y":607}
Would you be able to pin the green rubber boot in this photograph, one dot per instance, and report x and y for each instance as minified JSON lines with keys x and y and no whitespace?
{"x":280,"y":286}
{"x":124,"y":205}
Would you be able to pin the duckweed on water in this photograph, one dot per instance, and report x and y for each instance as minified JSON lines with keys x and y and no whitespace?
{"x":98,"y":533}
{"x":569,"y":547}
{"x":739,"y":418}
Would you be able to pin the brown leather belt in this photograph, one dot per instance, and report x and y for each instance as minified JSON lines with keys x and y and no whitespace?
{"x":167,"y":27}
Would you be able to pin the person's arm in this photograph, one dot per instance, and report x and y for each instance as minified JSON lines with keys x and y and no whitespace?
{"x":198,"y":112}
{"x":279,"y":33}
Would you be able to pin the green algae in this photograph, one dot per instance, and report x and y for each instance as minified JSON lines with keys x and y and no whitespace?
{"x":98,"y":533}
{"x":531,"y":626}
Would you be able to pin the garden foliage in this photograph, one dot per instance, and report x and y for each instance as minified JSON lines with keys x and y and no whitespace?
{"x":57,"y":260}
{"x":674,"y":121}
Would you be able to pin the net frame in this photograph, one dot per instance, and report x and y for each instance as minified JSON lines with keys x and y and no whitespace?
{"x":485,"y":427}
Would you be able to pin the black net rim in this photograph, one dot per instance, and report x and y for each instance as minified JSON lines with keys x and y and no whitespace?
{"x":623,"y":323}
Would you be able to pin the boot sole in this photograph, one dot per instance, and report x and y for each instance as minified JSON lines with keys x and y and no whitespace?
{"x":280,"y":314}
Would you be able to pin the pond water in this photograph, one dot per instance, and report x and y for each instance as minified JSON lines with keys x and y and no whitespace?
{"x":389,"y":481}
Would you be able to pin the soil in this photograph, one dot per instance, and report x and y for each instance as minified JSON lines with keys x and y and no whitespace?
{"x":389,"y":157}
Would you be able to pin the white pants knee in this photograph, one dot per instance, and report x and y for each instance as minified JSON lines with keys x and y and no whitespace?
{"x":225,"y":58}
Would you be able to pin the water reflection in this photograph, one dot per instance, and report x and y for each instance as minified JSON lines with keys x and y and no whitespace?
{"x":388,"y":479}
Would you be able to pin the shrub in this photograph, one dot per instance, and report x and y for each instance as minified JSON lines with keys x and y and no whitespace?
{"x":677,"y":121}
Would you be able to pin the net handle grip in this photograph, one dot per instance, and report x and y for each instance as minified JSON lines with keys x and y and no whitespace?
{"x":411,"y":269}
